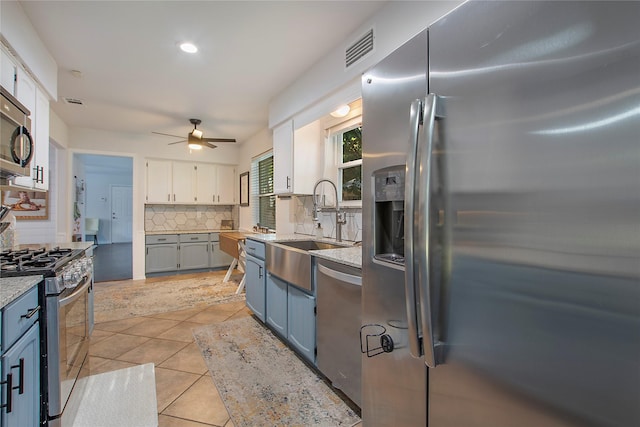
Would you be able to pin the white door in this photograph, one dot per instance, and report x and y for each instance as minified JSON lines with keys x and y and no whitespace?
{"x":121,"y":214}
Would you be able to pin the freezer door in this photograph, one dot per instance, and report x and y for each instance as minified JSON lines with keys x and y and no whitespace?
{"x":393,"y":384}
{"x":540,"y":304}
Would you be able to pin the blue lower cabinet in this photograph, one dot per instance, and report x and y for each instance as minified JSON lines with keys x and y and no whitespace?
{"x":21,"y":367}
{"x":255,"y":284}
{"x":302,"y":322}
{"x":277,"y":304}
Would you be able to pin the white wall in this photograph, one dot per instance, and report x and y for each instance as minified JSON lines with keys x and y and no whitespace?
{"x":254,"y":146}
{"x":17,"y":31}
{"x":393,"y":25}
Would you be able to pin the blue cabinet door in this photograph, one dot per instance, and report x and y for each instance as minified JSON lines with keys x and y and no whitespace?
{"x":255,"y":288}
{"x":22,"y":362}
{"x":302,"y":322}
{"x":277,"y":304}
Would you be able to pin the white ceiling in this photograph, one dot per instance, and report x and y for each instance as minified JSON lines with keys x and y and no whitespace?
{"x":135,"y":79}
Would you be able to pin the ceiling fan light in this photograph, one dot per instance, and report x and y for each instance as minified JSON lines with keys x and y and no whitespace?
{"x":197,"y":133}
{"x":195,"y":146}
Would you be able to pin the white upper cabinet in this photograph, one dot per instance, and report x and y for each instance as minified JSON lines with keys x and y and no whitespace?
{"x":215,"y":184}
{"x":283,"y":158}
{"x":298,"y":157}
{"x":159,"y":185}
{"x":225,"y":182}
{"x":7,"y":72}
{"x":40,"y":131}
{"x":206,"y":188}
{"x":26,"y":90}
{"x":184,"y":183}
{"x":188,"y":183}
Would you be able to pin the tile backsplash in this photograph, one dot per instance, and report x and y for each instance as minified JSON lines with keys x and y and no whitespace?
{"x":185,"y":217}
{"x":304,"y":223}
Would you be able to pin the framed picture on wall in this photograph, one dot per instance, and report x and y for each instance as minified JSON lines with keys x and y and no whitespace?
{"x":27,"y":204}
{"x":244,"y":189}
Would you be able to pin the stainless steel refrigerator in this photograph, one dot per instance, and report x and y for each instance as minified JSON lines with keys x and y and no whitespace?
{"x":501,"y":220}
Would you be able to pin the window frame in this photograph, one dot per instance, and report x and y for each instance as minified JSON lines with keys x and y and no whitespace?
{"x":336,"y":141}
{"x":256,"y":196}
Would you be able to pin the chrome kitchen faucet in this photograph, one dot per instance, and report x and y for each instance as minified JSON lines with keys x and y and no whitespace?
{"x":340,"y":216}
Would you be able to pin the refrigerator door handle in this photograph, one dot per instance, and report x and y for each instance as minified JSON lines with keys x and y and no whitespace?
{"x":422,"y":226}
{"x":409,"y":230}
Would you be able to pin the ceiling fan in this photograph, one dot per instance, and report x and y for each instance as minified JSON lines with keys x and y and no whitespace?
{"x":195,"y":140}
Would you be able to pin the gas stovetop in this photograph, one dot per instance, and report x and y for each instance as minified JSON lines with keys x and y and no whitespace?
{"x":26,"y":262}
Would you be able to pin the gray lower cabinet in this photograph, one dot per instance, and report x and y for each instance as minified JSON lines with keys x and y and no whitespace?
{"x":161,"y":253}
{"x":301,"y":319}
{"x":219,"y":258}
{"x":277,"y":304}
{"x":255,"y":286}
{"x":171,"y":253}
{"x":20,"y":363}
{"x":193,"y":251}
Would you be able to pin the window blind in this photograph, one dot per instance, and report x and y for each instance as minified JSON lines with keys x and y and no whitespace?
{"x":263,"y":200}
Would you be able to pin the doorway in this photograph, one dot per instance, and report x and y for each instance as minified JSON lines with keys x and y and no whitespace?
{"x":108,"y":183}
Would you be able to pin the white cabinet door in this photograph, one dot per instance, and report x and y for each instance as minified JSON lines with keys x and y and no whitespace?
{"x":159,"y":188}
{"x":308,"y":157}
{"x":7,"y":72}
{"x":298,"y":158}
{"x":206,"y":184}
{"x":283,"y":158}
{"x":40,"y":130}
{"x":226,"y":180}
{"x":26,"y":90}
{"x":184,"y":182}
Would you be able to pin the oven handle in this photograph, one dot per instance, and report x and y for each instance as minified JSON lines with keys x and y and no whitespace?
{"x":77,"y":293}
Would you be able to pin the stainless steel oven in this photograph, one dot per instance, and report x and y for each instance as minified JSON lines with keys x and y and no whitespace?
{"x":68,"y":332}
{"x":66,"y":296}
{"x":16,"y":144}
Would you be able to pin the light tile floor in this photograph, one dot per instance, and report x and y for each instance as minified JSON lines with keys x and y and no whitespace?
{"x":186,"y":395}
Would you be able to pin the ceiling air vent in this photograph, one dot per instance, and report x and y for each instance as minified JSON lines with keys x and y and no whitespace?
{"x":359,"y":49}
{"x":74,"y":101}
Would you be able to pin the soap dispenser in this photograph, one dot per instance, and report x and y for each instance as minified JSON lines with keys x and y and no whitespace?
{"x":319,"y":232}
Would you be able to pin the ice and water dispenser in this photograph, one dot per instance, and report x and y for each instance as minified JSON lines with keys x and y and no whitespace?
{"x":389,"y":214}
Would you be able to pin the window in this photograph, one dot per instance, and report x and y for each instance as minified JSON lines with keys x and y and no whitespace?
{"x":263,"y":199}
{"x":349,"y":162}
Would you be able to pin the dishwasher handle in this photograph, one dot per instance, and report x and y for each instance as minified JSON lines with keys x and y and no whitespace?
{"x":338,"y":275}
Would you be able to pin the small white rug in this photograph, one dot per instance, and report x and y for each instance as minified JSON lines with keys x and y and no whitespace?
{"x":122,"y":398}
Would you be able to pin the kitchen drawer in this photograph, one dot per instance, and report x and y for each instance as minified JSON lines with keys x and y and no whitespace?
{"x":14,"y":317}
{"x":193,"y":238}
{"x":214,"y":237}
{"x":161,"y":238}
{"x":254,"y":248}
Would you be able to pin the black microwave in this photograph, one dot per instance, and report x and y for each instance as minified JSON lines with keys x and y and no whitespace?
{"x":16,"y":144}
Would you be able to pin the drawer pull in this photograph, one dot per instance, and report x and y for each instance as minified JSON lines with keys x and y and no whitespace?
{"x":9,"y":383}
{"x":31,"y":313}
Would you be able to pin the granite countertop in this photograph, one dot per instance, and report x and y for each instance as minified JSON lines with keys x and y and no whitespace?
{"x":349,"y":255}
{"x":11,"y":288}
{"x":155,"y":233}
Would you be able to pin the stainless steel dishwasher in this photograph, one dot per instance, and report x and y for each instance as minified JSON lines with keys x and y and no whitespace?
{"x":338,"y":291}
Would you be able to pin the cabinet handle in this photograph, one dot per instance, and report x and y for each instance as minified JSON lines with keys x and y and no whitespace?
{"x":20,"y":367}
{"x":9,"y":383}
{"x":259,"y":272}
{"x":168,"y":197}
{"x":288,"y":182}
{"x":31,"y":313}
{"x":174,"y":197}
{"x":147,"y":251}
{"x":194,"y":238}
{"x":218,"y":198}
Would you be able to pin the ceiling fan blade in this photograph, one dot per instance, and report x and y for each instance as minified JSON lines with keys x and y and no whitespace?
{"x":166,"y":134}
{"x":177,"y":142}
{"x":205,"y":143}
{"x":219,"y":139}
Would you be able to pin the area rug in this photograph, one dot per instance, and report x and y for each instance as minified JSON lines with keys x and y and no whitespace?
{"x":122,"y":300}
{"x":263,"y":383}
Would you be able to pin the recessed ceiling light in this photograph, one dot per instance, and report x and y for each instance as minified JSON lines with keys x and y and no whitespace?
{"x":341,"y":111}
{"x":188,"y":47}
